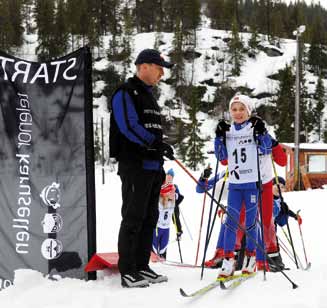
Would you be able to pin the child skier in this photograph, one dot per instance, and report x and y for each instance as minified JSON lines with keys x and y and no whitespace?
{"x":206,"y":184}
{"x":269,"y":233}
{"x":169,"y":200}
{"x":166,"y":210}
{"x":178,"y":200}
{"x":236,"y":144}
{"x":281,"y":214}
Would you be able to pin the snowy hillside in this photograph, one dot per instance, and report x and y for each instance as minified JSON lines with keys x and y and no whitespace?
{"x":32,"y":290}
{"x":210,"y":69}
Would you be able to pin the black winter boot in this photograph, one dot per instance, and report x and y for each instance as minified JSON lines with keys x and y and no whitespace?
{"x":152,"y":276}
{"x":133,"y":280}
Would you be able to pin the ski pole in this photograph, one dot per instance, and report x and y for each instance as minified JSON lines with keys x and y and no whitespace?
{"x":180,"y":251}
{"x":289,"y":253}
{"x":305,"y":253}
{"x":209,"y":221}
{"x":297,"y":256}
{"x":294,"y":285}
{"x":158,"y":245}
{"x":287,"y":224}
{"x":260,"y":207}
{"x":178,"y":239}
{"x":215,"y":215}
{"x":213,"y":223}
{"x":187,"y":228}
{"x":201,"y":222}
{"x":286,"y":250}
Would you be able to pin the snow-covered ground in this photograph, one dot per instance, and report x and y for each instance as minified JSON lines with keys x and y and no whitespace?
{"x":32,"y":290}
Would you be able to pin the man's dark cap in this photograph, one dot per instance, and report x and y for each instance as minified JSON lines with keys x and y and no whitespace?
{"x":152,"y":56}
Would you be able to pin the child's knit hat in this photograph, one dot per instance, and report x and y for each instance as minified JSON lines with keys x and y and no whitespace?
{"x":243,"y":99}
{"x":171,"y":172}
{"x":166,"y":189}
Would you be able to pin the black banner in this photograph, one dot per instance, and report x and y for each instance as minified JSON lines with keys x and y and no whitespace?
{"x":47,"y":190}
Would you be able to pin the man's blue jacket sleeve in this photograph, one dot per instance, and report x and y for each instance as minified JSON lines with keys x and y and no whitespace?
{"x":128,"y":121}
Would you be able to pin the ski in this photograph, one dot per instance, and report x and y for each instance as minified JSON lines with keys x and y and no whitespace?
{"x":209,"y":287}
{"x":179,"y":264}
{"x":235,"y":282}
{"x":200,"y":291}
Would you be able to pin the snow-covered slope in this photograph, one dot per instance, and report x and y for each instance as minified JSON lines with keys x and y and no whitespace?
{"x":32,"y":290}
{"x":211,"y":68}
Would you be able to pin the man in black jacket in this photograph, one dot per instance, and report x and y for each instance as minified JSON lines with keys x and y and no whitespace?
{"x":136,"y":142}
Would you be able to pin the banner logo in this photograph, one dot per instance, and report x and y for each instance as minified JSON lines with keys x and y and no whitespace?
{"x":50,"y":195}
{"x":51,"y":249}
{"x":52,"y":223}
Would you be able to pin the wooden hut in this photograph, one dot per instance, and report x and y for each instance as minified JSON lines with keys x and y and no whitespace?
{"x":313,"y":165}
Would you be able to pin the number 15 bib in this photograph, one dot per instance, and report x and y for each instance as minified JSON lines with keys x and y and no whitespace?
{"x":242,"y":155}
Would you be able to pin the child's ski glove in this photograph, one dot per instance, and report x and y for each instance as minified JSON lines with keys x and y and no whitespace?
{"x":222,"y":128}
{"x":258,"y":125}
{"x":299,"y":219}
{"x":206,"y":174}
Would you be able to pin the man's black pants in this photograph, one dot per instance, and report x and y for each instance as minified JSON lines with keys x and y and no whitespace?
{"x":140,"y":194}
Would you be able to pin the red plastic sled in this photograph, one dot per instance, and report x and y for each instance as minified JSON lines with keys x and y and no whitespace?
{"x":100,"y":261}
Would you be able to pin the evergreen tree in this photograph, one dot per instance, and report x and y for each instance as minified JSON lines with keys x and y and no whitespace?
{"x":284,"y":106}
{"x":276,"y":24}
{"x":232,"y":12}
{"x":44,"y":16}
{"x":306,"y":101}
{"x":190,"y":13}
{"x":177,"y":55}
{"x":16,"y":19}
{"x":127,"y":39}
{"x":87,"y":24}
{"x":27,"y":9}
{"x":194,"y":143}
{"x":6,"y":27}
{"x":114,"y":26}
{"x":97,"y":144}
{"x":112,"y":80}
{"x":317,"y":57}
{"x":76,"y":12}
{"x":320,"y":97}
{"x":182,"y":146}
{"x":235,"y":48}
{"x":254,"y":43}
{"x":113,"y":16}
{"x":60,"y":30}
{"x":145,"y":15}
{"x":95,"y":19}
{"x":215,"y":11}
{"x":325,"y":132}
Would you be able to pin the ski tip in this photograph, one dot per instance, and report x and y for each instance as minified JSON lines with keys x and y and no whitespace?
{"x":182,"y":292}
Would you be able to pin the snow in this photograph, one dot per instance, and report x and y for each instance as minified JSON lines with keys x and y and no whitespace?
{"x":31,"y":289}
